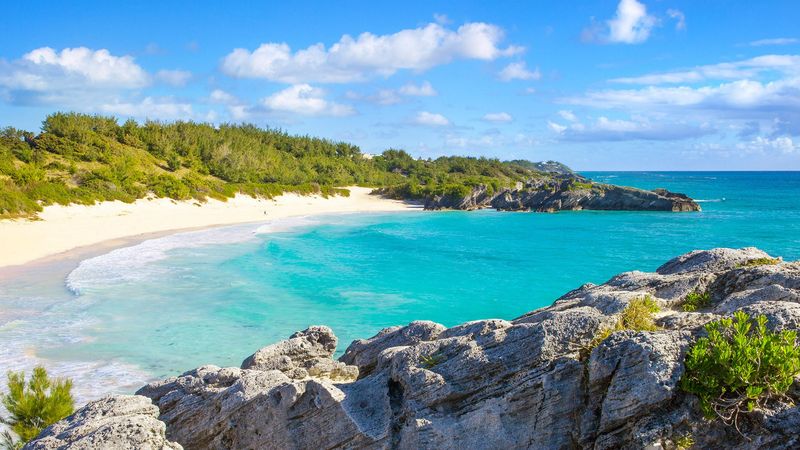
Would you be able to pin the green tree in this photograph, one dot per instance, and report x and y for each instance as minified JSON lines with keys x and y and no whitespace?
{"x":35,"y":405}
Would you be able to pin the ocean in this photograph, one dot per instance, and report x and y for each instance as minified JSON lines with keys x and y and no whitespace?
{"x":215,"y":296}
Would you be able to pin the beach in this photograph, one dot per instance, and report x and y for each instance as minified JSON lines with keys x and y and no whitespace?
{"x":60,"y":229}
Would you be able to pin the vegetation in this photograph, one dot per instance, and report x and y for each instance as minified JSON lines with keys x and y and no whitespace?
{"x":684,"y":441}
{"x":741,"y":365}
{"x":696,"y":300}
{"x":637,"y":316}
{"x":430,"y":361}
{"x":760,"y":262}
{"x":34,"y":406}
{"x":82,"y":159}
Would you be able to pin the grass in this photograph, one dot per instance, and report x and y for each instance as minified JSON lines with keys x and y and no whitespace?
{"x":637,"y":316}
{"x":696,"y":300}
{"x":431,"y":361}
{"x":756,"y":262}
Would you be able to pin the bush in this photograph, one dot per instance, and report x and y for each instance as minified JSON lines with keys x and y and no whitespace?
{"x":696,"y":300}
{"x":741,"y":365}
{"x":637,"y":316}
{"x":35,"y":406}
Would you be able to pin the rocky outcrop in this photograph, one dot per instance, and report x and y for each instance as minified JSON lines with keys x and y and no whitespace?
{"x":125,"y":422}
{"x":524,"y":383}
{"x":306,"y":353}
{"x":564,"y":192}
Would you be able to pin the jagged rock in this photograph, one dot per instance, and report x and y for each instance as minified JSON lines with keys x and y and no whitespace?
{"x":563,"y":192}
{"x":526,"y":383}
{"x":363,"y":353}
{"x":306,"y":353}
{"x":125,"y":422}
{"x":715,"y":260}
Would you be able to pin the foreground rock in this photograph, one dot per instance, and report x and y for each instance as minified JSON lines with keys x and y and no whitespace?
{"x":525,"y":383}
{"x":125,"y":422}
{"x":565,"y":192}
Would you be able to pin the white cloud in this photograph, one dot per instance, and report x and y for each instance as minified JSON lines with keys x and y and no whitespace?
{"x":631,"y":24}
{"x":423,"y":90}
{"x":748,"y":68}
{"x":222,"y":97}
{"x":568,"y":115}
{"x":518,"y":71}
{"x":760,"y":144}
{"x":774,"y":41}
{"x":679,"y":17}
{"x":150,"y":108}
{"x":431,"y":119}
{"x":556,"y":127}
{"x":393,"y":96}
{"x":442,"y":19}
{"x":740,"y":94}
{"x":305,"y":100}
{"x":174,"y":77}
{"x":500,"y":117}
{"x":605,"y":129}
{"x":45,"y":69}
{"x":369,"y":55}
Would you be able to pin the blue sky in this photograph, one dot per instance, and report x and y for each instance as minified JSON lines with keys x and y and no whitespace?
{"x":602,"y":85}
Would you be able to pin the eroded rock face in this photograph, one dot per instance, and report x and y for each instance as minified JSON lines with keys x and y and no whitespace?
{"x":126,"y":422}
{"x":564,"y":192}
{"x":306,"y":353}
{"x":525,"y":383}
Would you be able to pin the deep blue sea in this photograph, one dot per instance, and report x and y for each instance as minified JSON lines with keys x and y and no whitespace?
{"x":215,"y":296}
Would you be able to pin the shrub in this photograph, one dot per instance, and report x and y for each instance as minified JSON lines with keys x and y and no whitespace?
{"x":637,"y":316}
{"x":755,"y":262}
{"x":431,"y":361}
{"x":35,"y":406}
{"x":696,"y":300}
{"x":741,"y":365}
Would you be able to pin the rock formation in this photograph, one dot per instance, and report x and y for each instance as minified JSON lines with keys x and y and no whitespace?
{"x":565,"y":192}
{"x":123,"y":422}
{"x":489,"y":384}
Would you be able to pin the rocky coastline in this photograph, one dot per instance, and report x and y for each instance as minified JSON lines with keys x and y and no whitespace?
{"x":561,"y":192}
{"x":531,"y":382}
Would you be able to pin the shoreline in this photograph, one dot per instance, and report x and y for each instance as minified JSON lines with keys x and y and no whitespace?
{"x":66,"y":233}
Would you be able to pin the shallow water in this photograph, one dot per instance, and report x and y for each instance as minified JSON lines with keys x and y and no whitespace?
{"x":215,"y":296}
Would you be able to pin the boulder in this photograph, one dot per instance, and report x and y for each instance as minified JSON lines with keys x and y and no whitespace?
{"x":124,"y":422}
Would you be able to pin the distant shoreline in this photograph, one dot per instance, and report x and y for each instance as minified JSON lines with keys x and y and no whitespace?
{"x":63,"y":231}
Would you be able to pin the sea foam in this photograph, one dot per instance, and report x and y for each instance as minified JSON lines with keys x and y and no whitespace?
{"x":136,"y":262}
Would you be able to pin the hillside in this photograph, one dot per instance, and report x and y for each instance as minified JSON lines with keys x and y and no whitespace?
{"x":81,"y":159}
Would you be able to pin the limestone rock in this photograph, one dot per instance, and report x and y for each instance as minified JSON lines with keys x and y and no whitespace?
{"x":306,"y":353}
{"x":125,"y":422}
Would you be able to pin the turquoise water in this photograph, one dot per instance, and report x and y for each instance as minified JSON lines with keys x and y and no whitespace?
{"x":215,"y":296}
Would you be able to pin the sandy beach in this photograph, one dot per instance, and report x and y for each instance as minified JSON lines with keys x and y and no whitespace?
{"x":64,"y":228}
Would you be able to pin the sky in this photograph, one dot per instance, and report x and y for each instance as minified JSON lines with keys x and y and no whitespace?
{"x":598,"y":85}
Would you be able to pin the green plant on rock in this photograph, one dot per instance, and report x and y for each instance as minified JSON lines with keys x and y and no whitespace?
{"x":696,"y":300}
{"x":739,"y":366}
{"x":35,"y":405}
{"x":431,"y":361}
{"x":637,"y":316}
{"x":755,"y":262}
{"x":684,"y":441}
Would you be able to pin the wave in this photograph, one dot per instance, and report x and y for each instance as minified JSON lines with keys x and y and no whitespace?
{"x":713,"y":200}
{"x":135,"y":263}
